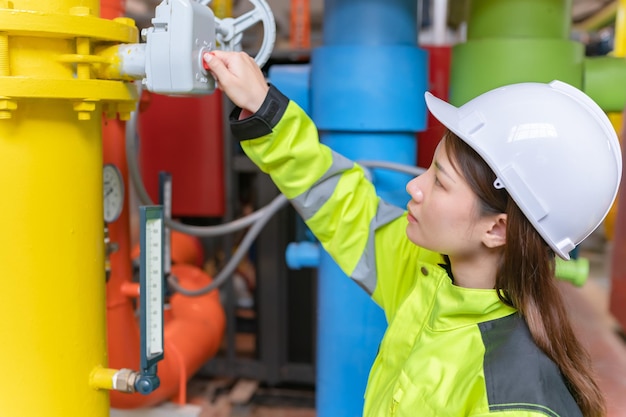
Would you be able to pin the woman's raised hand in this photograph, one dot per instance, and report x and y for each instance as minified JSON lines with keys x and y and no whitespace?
{"x":239,"y":77}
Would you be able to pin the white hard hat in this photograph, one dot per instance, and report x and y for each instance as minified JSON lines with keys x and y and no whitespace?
{"x":551,"y":147}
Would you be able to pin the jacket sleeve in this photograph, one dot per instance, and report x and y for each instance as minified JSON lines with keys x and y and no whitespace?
{"x":331,"y":193}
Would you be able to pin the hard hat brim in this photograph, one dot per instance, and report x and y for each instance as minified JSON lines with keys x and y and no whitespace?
{"x":446,"y":113}
{"x":458,"y":122}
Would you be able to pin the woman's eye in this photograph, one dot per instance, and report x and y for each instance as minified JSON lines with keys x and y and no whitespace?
{"x":437,"y":182}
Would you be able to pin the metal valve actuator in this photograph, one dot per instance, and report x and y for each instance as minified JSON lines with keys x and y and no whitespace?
{"x":182,"y":31}
{"x":170,"y":60}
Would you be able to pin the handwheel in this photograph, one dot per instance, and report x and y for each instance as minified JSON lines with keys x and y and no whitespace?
{"x":229,"y":30}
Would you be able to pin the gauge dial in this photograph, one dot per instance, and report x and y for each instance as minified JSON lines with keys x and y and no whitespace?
{"x":113,"y":188}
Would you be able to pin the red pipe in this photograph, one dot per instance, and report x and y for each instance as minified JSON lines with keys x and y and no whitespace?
{"x":110,"y":9}
{"x":194,"y":327}
{"x":617,"y":300}
{"x":439,"y":82}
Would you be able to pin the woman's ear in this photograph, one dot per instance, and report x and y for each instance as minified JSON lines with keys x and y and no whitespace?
{"x":496,"y":234}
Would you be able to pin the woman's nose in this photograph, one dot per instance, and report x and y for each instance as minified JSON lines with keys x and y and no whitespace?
{"x":414,"y":190}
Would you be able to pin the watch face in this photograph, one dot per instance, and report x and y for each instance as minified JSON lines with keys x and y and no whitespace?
{"x":113,"y":188}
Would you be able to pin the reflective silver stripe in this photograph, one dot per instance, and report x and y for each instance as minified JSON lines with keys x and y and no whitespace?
{"x":309,"y":202}
{"x":364,"y":273}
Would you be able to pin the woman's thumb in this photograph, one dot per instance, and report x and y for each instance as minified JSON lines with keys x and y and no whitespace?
{"x":213,"y":64}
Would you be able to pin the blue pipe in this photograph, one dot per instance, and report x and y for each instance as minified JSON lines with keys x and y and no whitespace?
{"x":367,"y":87}
{"x":303,"y":255}
{"x":370,"y":22}
{"x":367,"y":84}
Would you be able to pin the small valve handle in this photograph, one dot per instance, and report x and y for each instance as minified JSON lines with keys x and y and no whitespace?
{"x":145,"y":384}
{"x":229,"y":30}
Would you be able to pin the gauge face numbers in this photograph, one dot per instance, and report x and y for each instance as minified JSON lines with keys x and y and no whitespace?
{"x":154,"y":287}
{"x":151,"y":283}
{"x":113,"y":189}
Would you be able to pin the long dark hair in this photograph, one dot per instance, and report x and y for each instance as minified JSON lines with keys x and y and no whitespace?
{"x":525,"y":280}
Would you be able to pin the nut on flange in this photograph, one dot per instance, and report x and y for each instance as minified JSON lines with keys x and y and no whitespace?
{"x":7,"y":106}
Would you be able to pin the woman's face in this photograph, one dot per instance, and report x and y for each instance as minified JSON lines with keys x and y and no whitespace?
{"x":443,"y":213}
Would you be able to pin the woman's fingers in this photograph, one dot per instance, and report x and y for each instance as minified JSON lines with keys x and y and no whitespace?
{"x":239,"y":77}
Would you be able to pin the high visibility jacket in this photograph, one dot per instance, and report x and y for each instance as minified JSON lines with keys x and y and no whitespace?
{"x":448,"y":350}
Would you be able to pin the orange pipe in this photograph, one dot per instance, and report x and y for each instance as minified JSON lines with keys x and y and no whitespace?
{"x":300,"y":24}
{"x":184,"y":249}
{"x":193,"y":328}
{"x":122,"y":326}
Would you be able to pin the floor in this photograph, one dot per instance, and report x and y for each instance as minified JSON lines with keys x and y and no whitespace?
{"x":598,"y":330}
{"x":587,"y":305}
{"x":233,"y":398}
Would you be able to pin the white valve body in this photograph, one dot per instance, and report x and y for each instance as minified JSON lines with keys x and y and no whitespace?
{"x":182,"y":31}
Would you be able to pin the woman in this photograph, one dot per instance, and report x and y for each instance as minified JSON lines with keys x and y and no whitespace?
{"x":466,"y":274}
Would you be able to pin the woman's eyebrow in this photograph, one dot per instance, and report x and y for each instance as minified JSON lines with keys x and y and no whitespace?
{"x":440,"y":168}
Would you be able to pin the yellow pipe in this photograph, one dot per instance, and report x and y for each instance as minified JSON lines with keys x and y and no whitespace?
{"x":103,"y":378}
{"x":222,"y":8}
{"x":114,"y":379}
{"x":51,"y":218}
{"x":599,"y":19}
{"x":619,"y":49}
{"x":4,"y":55}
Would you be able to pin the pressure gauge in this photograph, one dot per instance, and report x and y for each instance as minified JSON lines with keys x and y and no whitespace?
{"x":113,"y":188}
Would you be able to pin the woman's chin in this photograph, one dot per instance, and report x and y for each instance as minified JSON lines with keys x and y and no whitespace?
{"x":413,"y":237}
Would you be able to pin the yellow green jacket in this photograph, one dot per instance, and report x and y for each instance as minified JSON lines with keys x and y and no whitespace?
{"x":448,"y":350}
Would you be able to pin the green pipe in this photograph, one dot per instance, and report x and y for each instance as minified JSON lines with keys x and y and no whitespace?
{"x":480,"y":66}
{"x":604,"y":78}
{"x":575,"y":271}
{"x":519,"y":19}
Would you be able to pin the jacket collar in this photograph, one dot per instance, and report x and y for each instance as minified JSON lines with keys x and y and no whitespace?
{"x":456,"y":306}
